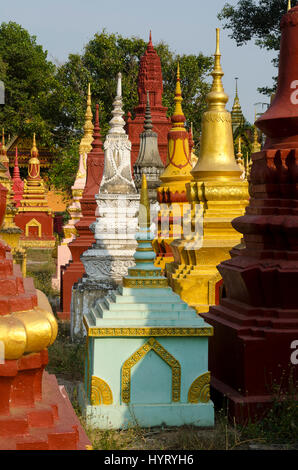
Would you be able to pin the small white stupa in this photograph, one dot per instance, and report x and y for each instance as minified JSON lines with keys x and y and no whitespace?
{"x":109,"y":258}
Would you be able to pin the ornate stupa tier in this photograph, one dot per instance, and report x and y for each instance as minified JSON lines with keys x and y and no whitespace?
{"x":217,"y":195}
{"x":148,"y":161}
{"x":236,"y":113}
{"x":117,"y":177}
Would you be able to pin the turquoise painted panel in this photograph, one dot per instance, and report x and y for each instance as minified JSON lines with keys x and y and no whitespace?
{"x":151,"y":381}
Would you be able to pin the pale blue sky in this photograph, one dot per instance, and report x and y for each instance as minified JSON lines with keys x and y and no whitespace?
{"x":65,"y":26}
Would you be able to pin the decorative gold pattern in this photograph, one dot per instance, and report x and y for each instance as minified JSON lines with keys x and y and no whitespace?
{"x":145,"y":283}
{"x":33,"y":223}
{"x":101,"y":393}
{"x":146,"y":331}
{"x":152,"y":344}
{"x":199,"y":391}
{"x":37,"y":243}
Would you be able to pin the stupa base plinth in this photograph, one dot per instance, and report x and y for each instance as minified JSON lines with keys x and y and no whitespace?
{"x":243,"y":409}
{"x":123,"y":416}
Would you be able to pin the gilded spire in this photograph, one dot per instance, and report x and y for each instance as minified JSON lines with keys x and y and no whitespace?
{"x":178,"y":117}
{"x":237,"y":115}
{"x":178,"y":164}
{"x":217,"y":159}
{"x":86,"y":141}
{"x":144,"y":213}
{"x":240,"y":155}
{"x":34,"y":150}
{"x":34,"y":163}
{"x":256,"y":146}
{"x":289,"y":5}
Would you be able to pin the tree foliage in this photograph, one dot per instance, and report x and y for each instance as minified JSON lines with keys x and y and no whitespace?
{"x":29,"y":78}
{"x":51,"y":100}
{"x":257,"y":20}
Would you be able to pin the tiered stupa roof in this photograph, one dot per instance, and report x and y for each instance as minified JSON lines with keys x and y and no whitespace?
{"x":237,"y":115}
{"x":149,"y":161}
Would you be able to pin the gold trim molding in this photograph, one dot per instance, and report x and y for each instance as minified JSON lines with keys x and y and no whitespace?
{"x":152,"y":344}
{"x":101,"y":394}
{"x":199,"y":391}
{"x":146,"y":331}
{"x":33,"y":223}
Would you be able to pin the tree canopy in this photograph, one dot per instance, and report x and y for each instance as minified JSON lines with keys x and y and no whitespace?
{"x":50,"y":100}
{"x":256,"y":20}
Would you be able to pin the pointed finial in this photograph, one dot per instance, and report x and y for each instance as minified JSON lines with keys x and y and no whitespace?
{"x":217,"y":51}
{"x":96,"y":143}
{"x":178,"y":116}
{"x":236,"y":79}
{"x":239,"y":146}
{"x":34,"y":148}
{"x":144,"y":213}
{"x":148,"y":120}
{"x":119,"y":84}
{"x":217,"y":98}
{"x":85,"y":144}
{"x":89,"y":94}
{"x":289,"y":5}
{"x":150,"y":37}
{"x":117,"y":122}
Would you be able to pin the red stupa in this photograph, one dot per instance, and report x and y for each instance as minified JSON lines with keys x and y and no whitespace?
{"x":35,"y":414}
{"x":17,"y":182}
{"x":74,"y":270}
{"x":149,"y":79}
{"x":256,"y":324}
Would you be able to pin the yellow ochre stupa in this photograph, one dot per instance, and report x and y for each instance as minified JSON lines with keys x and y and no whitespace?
{"x":222,"y":194}
{"x":172,"y":193}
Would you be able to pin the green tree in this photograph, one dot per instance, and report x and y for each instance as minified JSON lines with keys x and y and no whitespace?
{"x":256,"y":20}
{"x":51,"y":100}
{"x":104,"y":56}
{"x":29,"y":78}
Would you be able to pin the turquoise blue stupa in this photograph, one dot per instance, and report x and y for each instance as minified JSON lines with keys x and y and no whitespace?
{"x":147,"y":351}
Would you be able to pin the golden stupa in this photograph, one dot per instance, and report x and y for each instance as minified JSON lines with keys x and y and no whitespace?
{"x":172,"y":192}
{"x":220,"y":194}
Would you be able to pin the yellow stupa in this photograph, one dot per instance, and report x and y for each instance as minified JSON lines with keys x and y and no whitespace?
{"x":74,"y":208}
{"x":172,"y":192}
{"x":221,"y":195}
